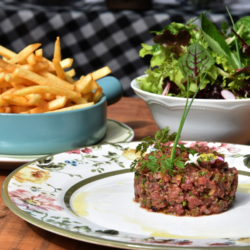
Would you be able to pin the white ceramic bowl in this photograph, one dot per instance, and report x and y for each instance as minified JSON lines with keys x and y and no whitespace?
{"x":207,"y":120}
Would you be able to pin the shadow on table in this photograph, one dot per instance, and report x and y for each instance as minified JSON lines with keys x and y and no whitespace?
{"x":138,"y":124}
{"x":10,"y":165}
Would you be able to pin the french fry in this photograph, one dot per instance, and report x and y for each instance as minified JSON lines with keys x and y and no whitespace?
{"x":57,"y":50}
{"x":8,"y":91}
{"x":31,"y":83}
{"x":10,"y":78}
{"x":101,"y":72}
{"x":88,"y":97}
{"x":40,"y":80}
{"x":5,"y":84}
{"x":5,"y":92}
{"x":82,"y":83}
{"x":97,"y":95}
{"x":8,"y":54}
{"x":47,"y":89}
{"x":7,"y":66}
{"x":2,"y":102}
{"x":19,"y":109}
{"x":2,"y":76}
{"x":39,"y":55}
{"x":56,"y":80}
{"x":86,"y":85}
{"x":80,"y":100}
{"x":36,"y":67}
{"x":48,"y":96}
{"x":69,"y":79}
{"x":31,"y":59}
{"x":65,"y":63}
{"x":17,"y":85}
{"x":4,"y":52}
{"x":52,"y":105}
{"x":80,"y":106}
{"x":71,"y":72}
{"x":59,"y":70}
{"x":57,"y":103}
{"x":8,"y":109}
{"x":15,"y":79}
{"x":90,"y":87}
{"x":15,"y":100}
{"x":36,"y":100}
{"x":24,"y":53}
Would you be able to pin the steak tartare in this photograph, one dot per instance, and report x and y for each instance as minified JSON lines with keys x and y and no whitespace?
{"x":204,"y":186}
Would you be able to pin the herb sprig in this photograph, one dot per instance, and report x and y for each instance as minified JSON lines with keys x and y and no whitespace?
{"x":236,"y":39}
{"x":193,"y":64}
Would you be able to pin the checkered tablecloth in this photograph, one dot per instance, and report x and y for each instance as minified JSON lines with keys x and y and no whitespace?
{"x":93,"y":35}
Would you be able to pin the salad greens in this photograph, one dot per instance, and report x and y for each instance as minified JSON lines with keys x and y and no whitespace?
{"x":225,"y":52}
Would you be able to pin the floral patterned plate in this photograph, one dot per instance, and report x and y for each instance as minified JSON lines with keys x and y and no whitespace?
{"x":87,"y":194}
{"x":116,"y":132}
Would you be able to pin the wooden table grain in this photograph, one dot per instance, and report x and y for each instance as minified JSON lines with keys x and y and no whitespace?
{"x":15,"y":233}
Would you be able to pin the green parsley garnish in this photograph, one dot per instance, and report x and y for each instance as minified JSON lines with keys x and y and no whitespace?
{"x":202,"y":173}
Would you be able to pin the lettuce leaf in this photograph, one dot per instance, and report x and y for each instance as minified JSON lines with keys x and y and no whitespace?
{"x":216,"y":41}
{"x":195,"y":61}
{"x":246,"y":30}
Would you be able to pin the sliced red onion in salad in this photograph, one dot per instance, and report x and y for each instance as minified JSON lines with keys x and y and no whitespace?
{"x":166,"y":89}
{"x":226,"y":94}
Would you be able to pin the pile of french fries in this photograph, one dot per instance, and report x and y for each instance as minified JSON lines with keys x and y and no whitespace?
{"x":30,"y":83}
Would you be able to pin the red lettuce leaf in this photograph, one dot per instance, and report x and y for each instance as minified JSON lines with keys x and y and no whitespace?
{"x":243,"y":70}
{"x":166,"y":39}
{"x":195,"y":61}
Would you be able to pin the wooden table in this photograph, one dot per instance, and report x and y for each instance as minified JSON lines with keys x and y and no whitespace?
{"x":15,"y":233}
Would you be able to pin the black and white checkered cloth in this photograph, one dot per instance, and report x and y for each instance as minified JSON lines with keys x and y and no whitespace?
{"x":93,"y":35}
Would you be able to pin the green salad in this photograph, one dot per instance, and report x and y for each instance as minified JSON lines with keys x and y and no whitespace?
{"x":216,"y":60}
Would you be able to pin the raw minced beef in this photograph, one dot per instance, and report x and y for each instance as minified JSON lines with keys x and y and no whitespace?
{"x":193,"y":191}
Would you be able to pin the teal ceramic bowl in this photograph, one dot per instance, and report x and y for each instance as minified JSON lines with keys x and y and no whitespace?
{"x":49,"y":133}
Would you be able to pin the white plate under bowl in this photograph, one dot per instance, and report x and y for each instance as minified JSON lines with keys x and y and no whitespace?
{"x":116,"y":132}
{"x":88,"y":195}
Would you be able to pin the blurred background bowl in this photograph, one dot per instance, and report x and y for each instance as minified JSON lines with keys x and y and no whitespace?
{"x":207,"y":120}
{"x":49,"y":133}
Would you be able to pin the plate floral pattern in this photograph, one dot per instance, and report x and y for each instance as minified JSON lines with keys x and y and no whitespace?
{"x":43,"y":192}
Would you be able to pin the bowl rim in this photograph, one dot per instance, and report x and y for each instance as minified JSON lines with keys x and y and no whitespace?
{"x":135,"y":88}
{"x":101,"y":102}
